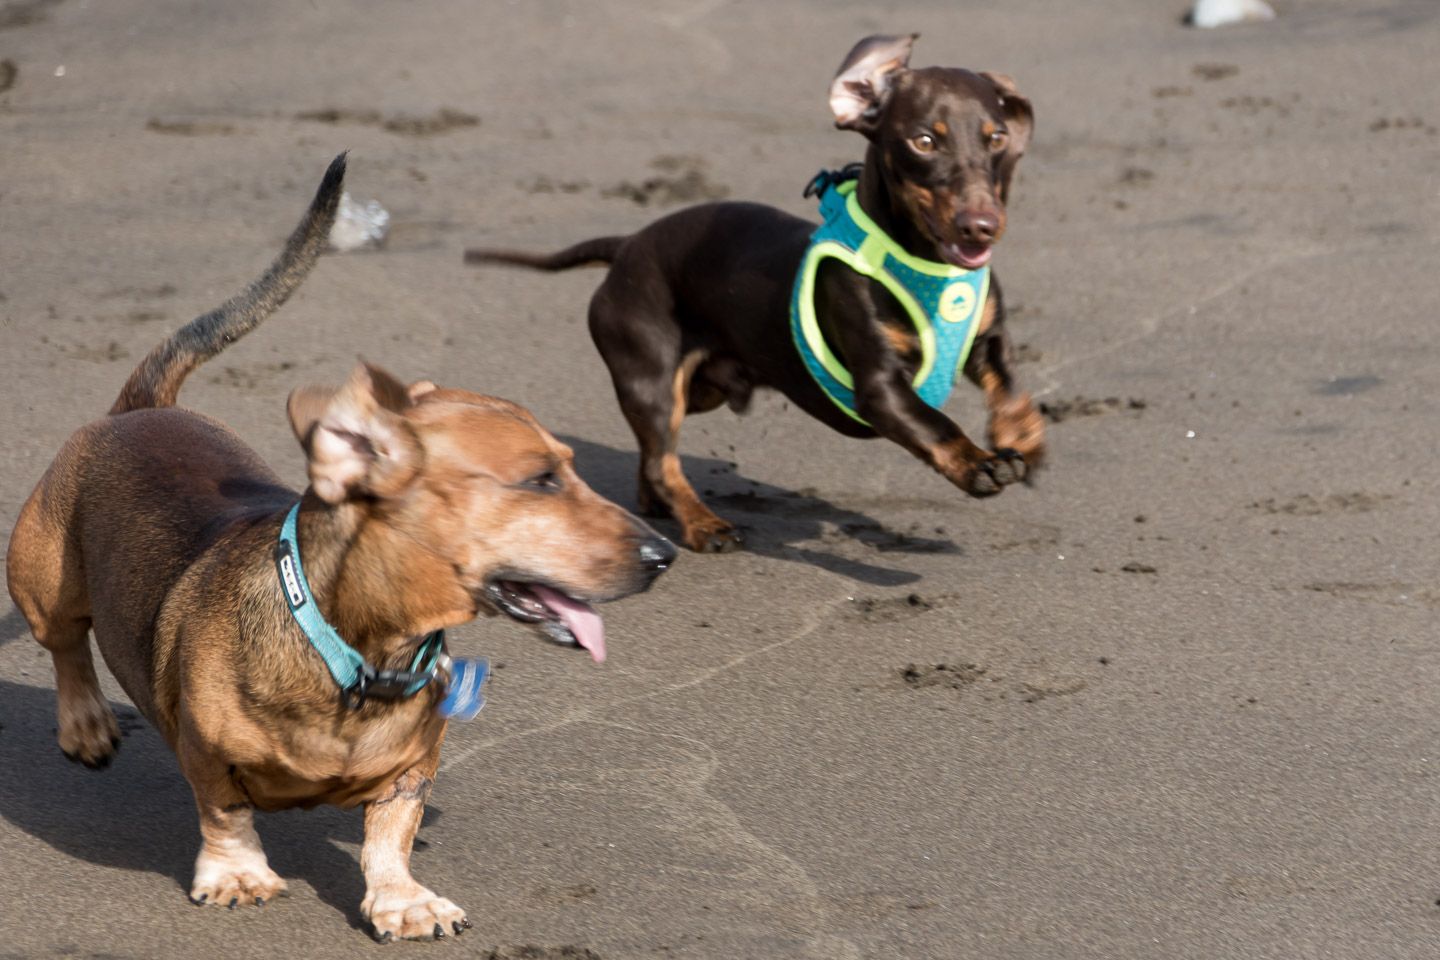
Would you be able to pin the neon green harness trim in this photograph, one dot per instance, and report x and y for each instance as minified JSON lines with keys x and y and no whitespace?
{"x":944,"y":302}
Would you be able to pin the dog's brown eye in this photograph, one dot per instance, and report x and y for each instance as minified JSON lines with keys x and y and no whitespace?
{"x":922,"y":143}
{"x":547,"y":481}
{"x":998,"y":139}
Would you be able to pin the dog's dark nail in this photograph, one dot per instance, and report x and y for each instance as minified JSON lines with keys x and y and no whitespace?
{"x":460,"y":926}
{"x":385,"y":937}
{"x":259,"y":901}
{"x":439,"y":932}
{"x":200,"y":900}
{"x":234,"y":902}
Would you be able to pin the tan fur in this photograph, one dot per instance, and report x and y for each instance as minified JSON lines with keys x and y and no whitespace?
{"x":698,"y":521}
{"x":1014,"y":422}
{"x":681,"y":391}
{"x":667,"y":490}
{"x":987,"y":320}
{"x":225,"y":675}
{"x":903,"y":342}
{"x":157,"y":526}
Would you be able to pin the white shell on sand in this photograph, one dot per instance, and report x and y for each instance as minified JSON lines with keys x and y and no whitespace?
{"x":1219,"y":13}
{"x":358,"y":225}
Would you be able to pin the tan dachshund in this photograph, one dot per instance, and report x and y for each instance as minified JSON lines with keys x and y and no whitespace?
{"x":157,"y":528}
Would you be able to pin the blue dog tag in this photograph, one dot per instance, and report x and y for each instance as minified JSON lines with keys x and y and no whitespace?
{"x":464,"y":695}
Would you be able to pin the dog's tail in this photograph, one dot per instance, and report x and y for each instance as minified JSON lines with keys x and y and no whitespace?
{"x":601,"y":250}
{"x":156,"y":382}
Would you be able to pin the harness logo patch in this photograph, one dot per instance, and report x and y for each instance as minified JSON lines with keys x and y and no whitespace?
{"x":957,"y":302}
{"x":293,"y":592}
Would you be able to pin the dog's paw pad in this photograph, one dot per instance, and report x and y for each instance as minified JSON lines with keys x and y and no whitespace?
{"x":252,"y":885}
{"x":990,"y":476}
{"x":716,"y":541}
{"x":420,"y":915}
{"x":981,"y":481}
{"x":1010,"y":466}
{"x":712,"y":536}
{"x":89,"y":733}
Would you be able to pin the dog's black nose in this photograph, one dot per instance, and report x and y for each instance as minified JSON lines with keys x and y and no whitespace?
{"x":978,"y":226}
{"x":656,"y":555}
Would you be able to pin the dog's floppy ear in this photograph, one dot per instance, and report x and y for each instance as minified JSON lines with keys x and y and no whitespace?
{"x":860,"y":89}
{"x":356,"y":440}
{"x":1019,"y":120}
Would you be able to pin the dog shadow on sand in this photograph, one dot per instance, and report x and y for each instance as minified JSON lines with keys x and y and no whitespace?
{"x":139,"y":813}
{"x":783,"y":524}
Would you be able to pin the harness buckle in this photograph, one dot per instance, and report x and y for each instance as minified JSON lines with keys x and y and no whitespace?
{"x":826,"y":179}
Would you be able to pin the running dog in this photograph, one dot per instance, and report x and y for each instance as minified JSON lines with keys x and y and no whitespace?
{"x":862,"y":323}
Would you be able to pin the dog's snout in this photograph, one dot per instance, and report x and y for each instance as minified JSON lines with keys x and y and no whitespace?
{"x":656,"y":555}
{"x":978,"y":226}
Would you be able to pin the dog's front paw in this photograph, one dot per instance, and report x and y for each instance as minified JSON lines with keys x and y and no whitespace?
{"x":412,"y":913}
{"x":1017,"y":425}
{"x":993,"y":474}
{"x":235,"y":881}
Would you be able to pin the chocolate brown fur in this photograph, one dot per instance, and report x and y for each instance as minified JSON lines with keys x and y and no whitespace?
{"x":715,"y":281}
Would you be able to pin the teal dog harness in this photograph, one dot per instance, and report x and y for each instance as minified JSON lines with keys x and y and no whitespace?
{"x":944,"y":302}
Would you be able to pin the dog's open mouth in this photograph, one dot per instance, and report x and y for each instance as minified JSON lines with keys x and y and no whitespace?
{"x":969,"y":256}
{"x":562,"y":617}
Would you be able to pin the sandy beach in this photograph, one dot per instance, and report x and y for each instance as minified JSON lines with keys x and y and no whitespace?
{"x":1178,"y":701}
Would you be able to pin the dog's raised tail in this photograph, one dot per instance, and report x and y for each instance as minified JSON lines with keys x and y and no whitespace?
{"x":599,"y":251}
{"x":156,"y":381}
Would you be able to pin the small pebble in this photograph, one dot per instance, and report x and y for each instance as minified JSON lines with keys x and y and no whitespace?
{"x":1208,"y":14}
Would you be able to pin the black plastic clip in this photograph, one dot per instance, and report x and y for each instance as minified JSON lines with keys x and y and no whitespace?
{"x":826,"y":179}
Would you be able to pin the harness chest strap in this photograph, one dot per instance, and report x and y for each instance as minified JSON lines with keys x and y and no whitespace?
{"x":944,"y":302}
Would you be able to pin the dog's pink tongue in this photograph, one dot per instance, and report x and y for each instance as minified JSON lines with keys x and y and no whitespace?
{"x":580,"y":618}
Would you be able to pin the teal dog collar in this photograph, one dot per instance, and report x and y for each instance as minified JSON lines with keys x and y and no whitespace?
{"x":358,"y":680}
{"x":944,"y":302}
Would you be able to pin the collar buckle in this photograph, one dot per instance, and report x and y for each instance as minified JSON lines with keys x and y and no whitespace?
{"x":357,"y":679}
{"x":396,"y":684}
{"x":383,"y":685}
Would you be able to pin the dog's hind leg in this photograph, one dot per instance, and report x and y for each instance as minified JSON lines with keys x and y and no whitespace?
{"x":652,"y":376}
{"x":47,"y":583}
